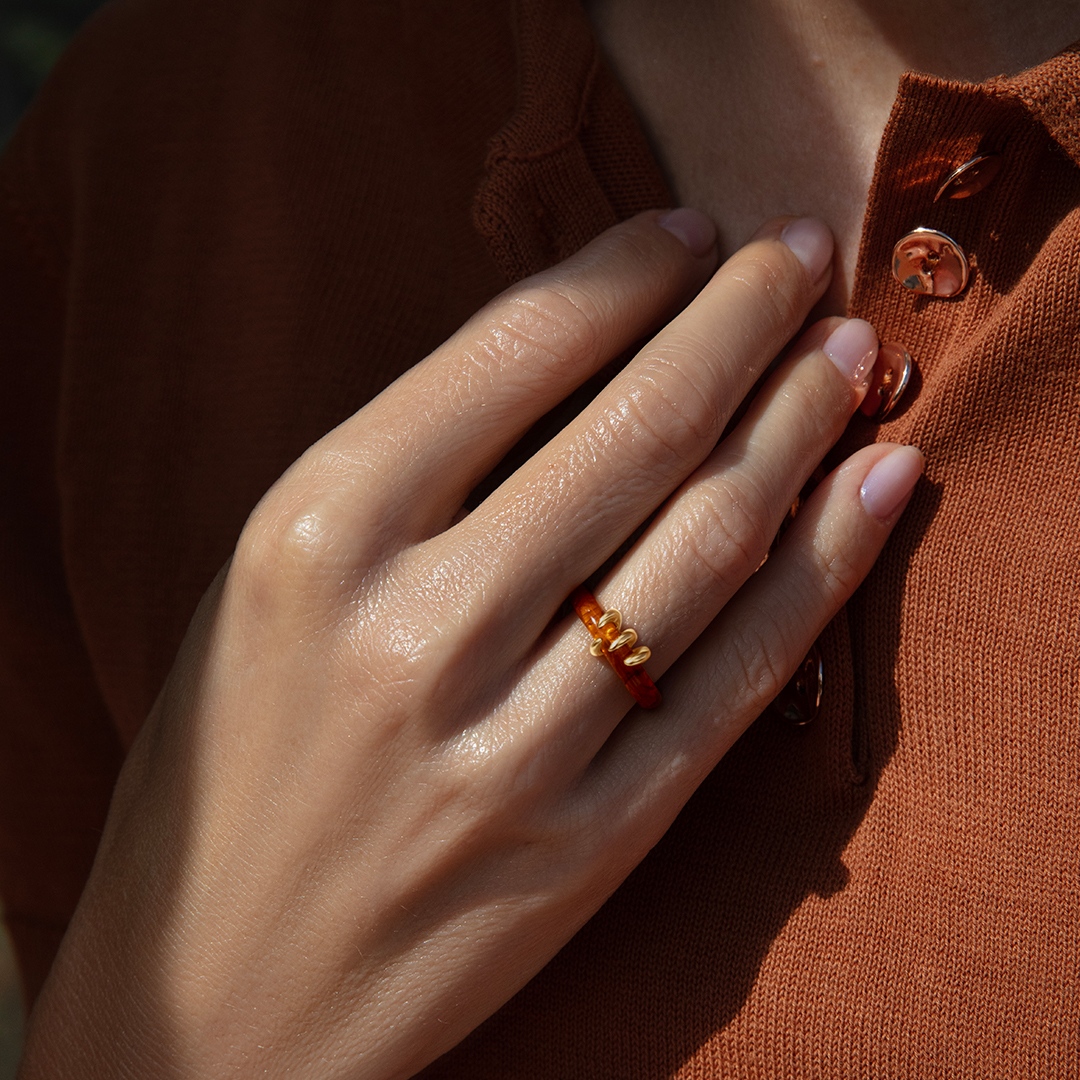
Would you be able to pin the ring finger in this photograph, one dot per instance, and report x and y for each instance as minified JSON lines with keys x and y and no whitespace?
{"x":716,"y":530}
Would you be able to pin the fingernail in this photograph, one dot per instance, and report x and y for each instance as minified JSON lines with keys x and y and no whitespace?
{"x":812,"y":243}
{"x":692,"y":227}
{"x":853,"y":348}
{"x":891,"y":481}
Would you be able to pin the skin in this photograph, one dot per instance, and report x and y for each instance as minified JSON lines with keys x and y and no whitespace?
{"x":806,"y":89}
{"x":386,"y":781}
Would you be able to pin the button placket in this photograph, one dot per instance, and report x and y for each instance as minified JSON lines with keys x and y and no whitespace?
{"x":937,"y":267}
{"x":929,"y":261}
{"x":928,"y":206}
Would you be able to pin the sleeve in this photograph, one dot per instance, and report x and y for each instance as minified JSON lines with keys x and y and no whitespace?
{"x":59,"y":753}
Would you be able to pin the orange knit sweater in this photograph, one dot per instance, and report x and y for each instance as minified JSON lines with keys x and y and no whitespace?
{"x":226,"y":224}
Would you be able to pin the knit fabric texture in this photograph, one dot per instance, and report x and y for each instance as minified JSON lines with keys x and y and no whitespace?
{"x":227,"y":224}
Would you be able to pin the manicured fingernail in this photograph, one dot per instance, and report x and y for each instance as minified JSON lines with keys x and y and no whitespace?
{"x":853,"y":348}
{"x":891,"y":480}
{"x":812,"y":243}
{"x":692,"y":227}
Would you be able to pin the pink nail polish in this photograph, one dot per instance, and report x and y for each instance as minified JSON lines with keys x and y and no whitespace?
{"x":853,"y":347}
{"x":692,"y":227}
{"x":891,"y":480}
{"x":812,"y":244}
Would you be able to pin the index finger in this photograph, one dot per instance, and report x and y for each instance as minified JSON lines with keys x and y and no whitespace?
{"x":457,"y":413}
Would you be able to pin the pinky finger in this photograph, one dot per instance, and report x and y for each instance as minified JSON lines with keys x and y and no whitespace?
{"x":832,"y":545}
{"x":725,"y":680}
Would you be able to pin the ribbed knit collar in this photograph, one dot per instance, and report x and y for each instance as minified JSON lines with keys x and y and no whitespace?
{"x":1051,"y":93}
{"x":573,"y":160}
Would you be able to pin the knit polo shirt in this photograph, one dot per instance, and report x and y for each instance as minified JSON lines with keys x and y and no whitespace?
{"x":227,"y":224}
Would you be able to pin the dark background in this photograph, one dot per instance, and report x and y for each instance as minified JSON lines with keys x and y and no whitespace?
{"x":33,"y":33}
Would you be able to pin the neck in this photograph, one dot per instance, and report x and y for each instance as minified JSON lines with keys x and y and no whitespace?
{"x":968,"y":40}
{"x":766,"y":107}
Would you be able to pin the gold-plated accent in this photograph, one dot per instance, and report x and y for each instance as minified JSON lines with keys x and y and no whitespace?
{"x":605,"y":626}
{"x":888,"y":380}
{"x":624,"y":639}
{"x":928,"y":261}
{"x":971,"y":177}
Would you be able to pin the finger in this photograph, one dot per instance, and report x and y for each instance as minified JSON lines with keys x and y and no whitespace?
{"x":717,"y":529}
{"x":577,"y":501}
{"x":721,"y":684}
{"x":409,"y":459}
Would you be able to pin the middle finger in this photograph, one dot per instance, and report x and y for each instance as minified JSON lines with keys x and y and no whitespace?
{"x":575,"y":503}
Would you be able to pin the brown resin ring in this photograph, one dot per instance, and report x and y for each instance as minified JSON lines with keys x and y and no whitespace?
{"x":618,"y":646}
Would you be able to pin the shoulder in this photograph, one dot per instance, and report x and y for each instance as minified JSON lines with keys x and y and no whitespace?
{"x":153,"y":72}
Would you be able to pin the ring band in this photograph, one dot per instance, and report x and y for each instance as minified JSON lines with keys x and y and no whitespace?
{"x":617,"y":645}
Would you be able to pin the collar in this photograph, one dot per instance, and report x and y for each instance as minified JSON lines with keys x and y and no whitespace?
{"x":572,"y":160}
{"x":1051,"y":93}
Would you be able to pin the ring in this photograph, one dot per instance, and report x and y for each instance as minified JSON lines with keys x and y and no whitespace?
{"x":618,"y":646}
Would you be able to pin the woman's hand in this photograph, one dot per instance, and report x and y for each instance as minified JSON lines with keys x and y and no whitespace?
{"x":386,"y":781}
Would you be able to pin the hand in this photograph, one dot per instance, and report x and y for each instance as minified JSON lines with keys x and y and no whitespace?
{"x":385,"y":781}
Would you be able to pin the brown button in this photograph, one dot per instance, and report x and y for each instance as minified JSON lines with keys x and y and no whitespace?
{"x":888,"y":380}
{"x":799,"y":701}
{"x":927,"y":261}
{"x":971,"y":177}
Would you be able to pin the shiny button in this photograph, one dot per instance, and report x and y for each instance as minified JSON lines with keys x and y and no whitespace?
{"x":971,"y":177}
{"x":799,"y":701}
{"x":927,"y":261}
{"x":888,"y":380}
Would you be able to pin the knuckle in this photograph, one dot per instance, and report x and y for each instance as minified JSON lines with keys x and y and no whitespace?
{"x":770,"y":294}
{"x":425,"y":621}
{"x":631,"y":257}
{"x":759,"y":674}
{"x":817,"y":413}
{"x":583,"y":306}
{"x":284,"y":550}
{"x":625,"y":266}
{"x":545,"y":328}
{"x":724,"y":538}
{"x":669,"y":412}
{"x":838,"y":574}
